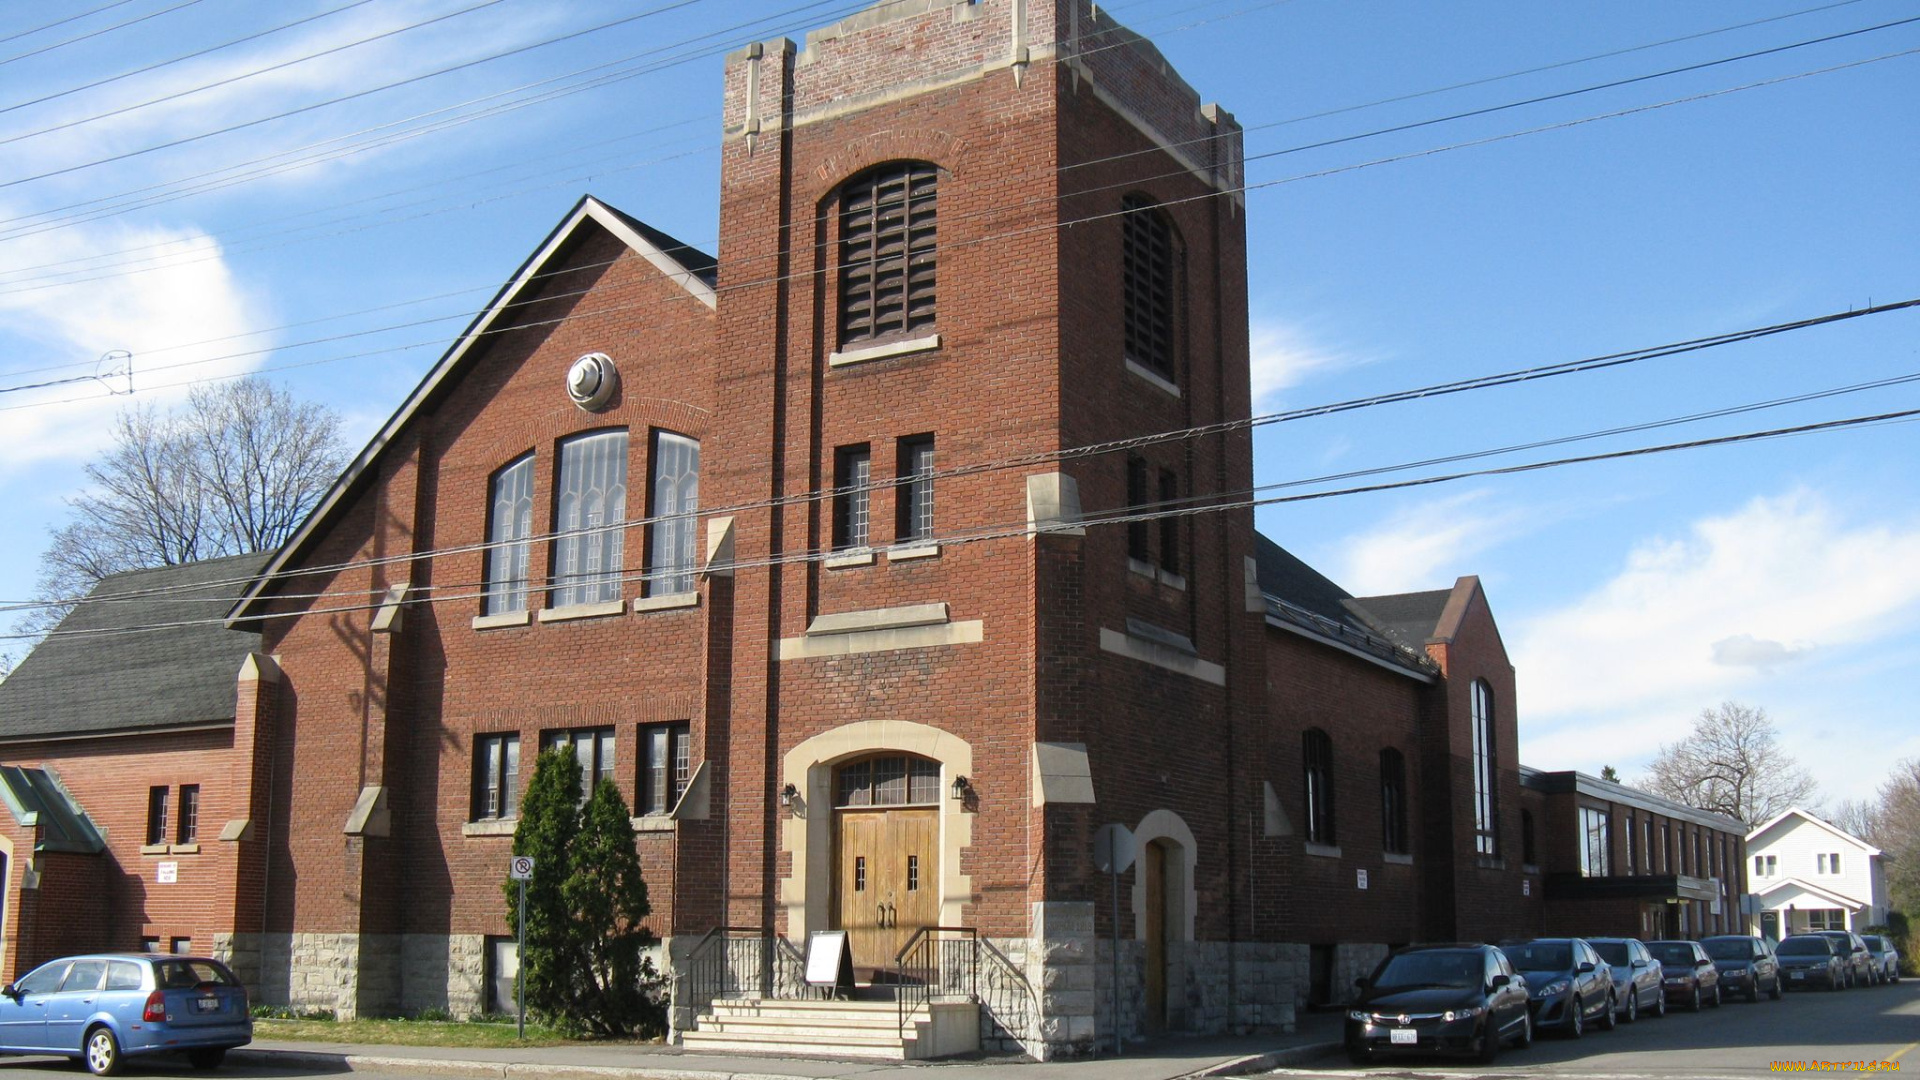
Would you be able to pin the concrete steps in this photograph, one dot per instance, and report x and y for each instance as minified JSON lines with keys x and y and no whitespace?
{"x":855,"y":1029}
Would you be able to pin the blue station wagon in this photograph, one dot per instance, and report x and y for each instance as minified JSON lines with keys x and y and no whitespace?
{"x":103,"y":1009}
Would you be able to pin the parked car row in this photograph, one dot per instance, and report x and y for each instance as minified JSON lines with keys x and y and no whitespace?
{"x":1470,"y":999}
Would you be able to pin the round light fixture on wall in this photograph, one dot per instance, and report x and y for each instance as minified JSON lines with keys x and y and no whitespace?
{"x":592,"y":380}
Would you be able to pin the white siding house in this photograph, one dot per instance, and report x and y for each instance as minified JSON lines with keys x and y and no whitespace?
{"x":1810,"y":875}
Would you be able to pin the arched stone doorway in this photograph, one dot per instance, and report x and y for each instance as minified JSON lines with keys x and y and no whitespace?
{"x":1163,"y":912}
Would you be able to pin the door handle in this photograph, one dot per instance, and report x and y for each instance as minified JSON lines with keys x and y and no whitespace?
{"x":880,"y":915}
{"x":893,"y":917}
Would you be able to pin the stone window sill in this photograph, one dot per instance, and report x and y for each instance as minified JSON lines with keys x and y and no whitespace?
{"x":1172,"y":580}
{"x":1323,"y":851}
{"x":860,"y":557}
{"x":490,"y":827}
{"x":884,"y":351}
{"x":185,"y":849}
{"x":669,"y":602}
{"x":501,"y":618}
{"x":153,"y":849}
{"x":583,"y":611}
{"x":1490,"y":862}
{"x":913,"y":551}
{"x":1153,"y":377}
{"x":1394,"y":858}
{"x":1143,"y":568}
{"x":655,"y":823}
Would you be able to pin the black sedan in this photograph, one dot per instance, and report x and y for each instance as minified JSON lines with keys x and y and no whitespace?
{"x":1438,"y":999}
{"x":1811,"y":960}
{"x":1746,"y":965}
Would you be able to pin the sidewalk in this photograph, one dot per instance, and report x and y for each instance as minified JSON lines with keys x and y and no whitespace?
{"x":1171,"y":1058}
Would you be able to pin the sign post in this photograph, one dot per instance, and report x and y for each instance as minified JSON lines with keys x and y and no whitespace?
{"x":520,"y":869}
{"x":1113,"y":851}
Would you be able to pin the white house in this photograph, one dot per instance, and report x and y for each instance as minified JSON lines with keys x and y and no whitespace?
{"x":1808,"y":874}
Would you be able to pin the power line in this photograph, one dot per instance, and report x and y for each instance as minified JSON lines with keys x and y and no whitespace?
{"x":18,"y":34}
{"x":95,"y":33}
{"x":1004,"y":532}
{"x":1512,"y":377}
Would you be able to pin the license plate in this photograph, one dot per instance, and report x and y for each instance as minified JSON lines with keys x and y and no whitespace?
{"x":1403,"y":1035}
{"x":206,"y":1004}
{"x":1799,"y":974}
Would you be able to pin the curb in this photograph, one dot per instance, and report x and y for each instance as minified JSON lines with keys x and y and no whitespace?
{"x":484,"y":1070}
{"x":1259,"y":1063}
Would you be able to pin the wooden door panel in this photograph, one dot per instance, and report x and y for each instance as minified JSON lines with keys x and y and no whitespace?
{"x":886,"y":882}
{"x":1154,"y":866}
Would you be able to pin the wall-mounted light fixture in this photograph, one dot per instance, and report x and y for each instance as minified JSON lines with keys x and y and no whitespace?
{"x":791,"y":800}
{"x":962,"y":789}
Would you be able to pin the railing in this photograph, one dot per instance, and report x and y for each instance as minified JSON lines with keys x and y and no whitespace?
{"x":740,"y":961}
{"x":941,"y":961}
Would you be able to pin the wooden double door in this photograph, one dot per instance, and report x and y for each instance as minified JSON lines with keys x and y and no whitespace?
{"x":886,"y":883}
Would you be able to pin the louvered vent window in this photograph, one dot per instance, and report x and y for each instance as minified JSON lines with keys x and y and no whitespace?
{"x":1147,"y":260}
{"x":887,"y":253}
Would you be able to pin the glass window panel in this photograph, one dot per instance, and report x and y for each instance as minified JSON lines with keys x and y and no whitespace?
{"x":588,"y":552}
{"x":890,"y":781}
{"x":676,"y":499}
{"x":510,"y":525}
{"x":856,"y":784}
{"x":923,"y":781}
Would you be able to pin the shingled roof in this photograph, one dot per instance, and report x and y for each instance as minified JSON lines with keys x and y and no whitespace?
{"x":1301,"y":597}
{"x":172,"y":664}
{"x":1408,"y":618}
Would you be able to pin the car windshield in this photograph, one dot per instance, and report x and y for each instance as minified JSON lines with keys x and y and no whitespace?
{"x":1728,"y":950}
{"x":1540,"y":956}
{"x":187,"y":974}
{"x":1805,"y":946}
{"x":1673,"y":952}
{"x":1875,"y":942}
{"x":1408,"y":970}
{"x":1613,"y":952}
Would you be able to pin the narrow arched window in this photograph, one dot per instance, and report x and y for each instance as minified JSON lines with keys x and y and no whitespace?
{"x":1393,"y":802}
{"x":1486,"y":802}
{"x":509,"y":525}
{"x":1317,"y":750}
{"x":591,"y":509}
{"x":886,"y":248}
{"x":1146,"y":250}
{"x":1526,"y":838}
{"x":676,"y":499}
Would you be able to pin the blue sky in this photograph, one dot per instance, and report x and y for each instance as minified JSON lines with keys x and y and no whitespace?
{"x":1632,"y":594}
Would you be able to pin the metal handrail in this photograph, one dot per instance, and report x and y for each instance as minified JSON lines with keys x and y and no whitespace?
{"x":928,"y":962}
{"x":729,"y":960}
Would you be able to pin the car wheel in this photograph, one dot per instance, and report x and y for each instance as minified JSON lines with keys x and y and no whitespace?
{"x":1660,"y":1003}
{"x":1716,"y":995}
{"x":1577,"y":1022}
{"x":1694,"y":1005}
{"x":103,"y":1052}
{"x":1836,"y":983}
{"x":1526,"y":1031}
{"x":1633,"y":1005}
{"x":1610,"y":1019}
{"x":1753,"y":989}
{"x":1489,"y":1040}
{"x":208,"y":1057}
{"x":1775,"y":992}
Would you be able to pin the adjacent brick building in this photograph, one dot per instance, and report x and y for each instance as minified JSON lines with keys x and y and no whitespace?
{"x":879,"y":562}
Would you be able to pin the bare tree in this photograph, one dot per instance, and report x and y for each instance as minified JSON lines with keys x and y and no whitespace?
{"x":236,"y":469}
{"x":1731,"y":763}
{"x":1897,"y":834}
{"x":1857,"y":816}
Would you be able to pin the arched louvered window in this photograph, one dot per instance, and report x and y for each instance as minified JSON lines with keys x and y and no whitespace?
{"x":886,"y":249}
{"x":1318,"y":751}
{"x":1147,"y":266}
{"x":1393,"y":802}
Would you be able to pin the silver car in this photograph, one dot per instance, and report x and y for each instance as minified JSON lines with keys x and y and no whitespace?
{"x":104,"y":1008}
{"x":1637,"y":982}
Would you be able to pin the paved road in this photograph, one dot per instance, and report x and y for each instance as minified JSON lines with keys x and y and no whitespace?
{"x":1868,"y":1024}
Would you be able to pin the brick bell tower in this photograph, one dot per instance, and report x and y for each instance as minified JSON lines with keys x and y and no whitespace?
{"x":984,"y":232}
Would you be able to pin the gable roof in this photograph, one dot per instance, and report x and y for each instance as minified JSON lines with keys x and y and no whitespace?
{"x":1837,"y":831}
{"x":145,"y":651}
{"x":684,"y":265}
{"x":1808,"y":887}
{"x":1305,"y":601}
{"x":1408,"y":618}
{"x":37,"y":799}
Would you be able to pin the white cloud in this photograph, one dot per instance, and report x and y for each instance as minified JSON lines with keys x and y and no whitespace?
{"x":1423,"y":547}
{"x":1285,"y":354}
{"x":1691,"y":620}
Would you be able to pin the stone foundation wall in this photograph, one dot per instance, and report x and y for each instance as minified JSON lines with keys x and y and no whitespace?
{"x":440,"y":971}
{"x":241,"y":953}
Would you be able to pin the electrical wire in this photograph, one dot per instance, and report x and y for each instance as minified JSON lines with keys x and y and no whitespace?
{"x":95,"y":33}
{"x":18,"y":34}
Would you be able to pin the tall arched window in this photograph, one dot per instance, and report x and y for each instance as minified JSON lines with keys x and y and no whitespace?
{"x":1317,"y":749}
{"x":588,"y":552}
{"x":676,"y":499}
{"x":509,"y":524}
{"x":1486,"y":801}
{"x":1526,"y":838}
{"x":887,"y":258}
{"x":1393,"y":802}
{"x":1147,"y":268}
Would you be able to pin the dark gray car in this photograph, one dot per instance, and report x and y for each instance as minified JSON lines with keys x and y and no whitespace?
{"x":1746,"y":965}
{"x":1854,"y":954}
{"x":1570,"y":985}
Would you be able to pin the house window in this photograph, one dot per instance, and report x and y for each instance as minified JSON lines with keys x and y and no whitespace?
{"x":852,"y":472}
{"x":1666,"y":846}
{"x":1393,"y":802}
{"x":590,"y":541}
{"x":592,"y":749}
{"x":665,"y":766}
{"x":156,"y":815}
{"x":676,"y":499}
{"x":1526,"y":838}
{"x":1137,"y":530}
{"x":1826,"y":919}
{"x":887,"y":258}
{"x":1629,"y":839}
{"x":1147,"y":274}
{"x":1646,"y":837}
{"x":1169,"y":524}
{"x":496,"y":776}
{"x":889,"y":780}
{"x":915,"y":498}
{"x":1317,"y":749}
{"x":1486,"y":802}
{"x":188,"y":830}
{"x":509,"y":526}
{"x":1595,"y":850}
{"x":180,"y":946}
{"x":1826,"y":863}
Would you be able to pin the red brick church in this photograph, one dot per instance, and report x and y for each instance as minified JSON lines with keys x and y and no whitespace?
{"x":879,"y":560}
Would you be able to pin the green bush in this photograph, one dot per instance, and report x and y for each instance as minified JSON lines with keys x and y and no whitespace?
{"x":433,"y":1015}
